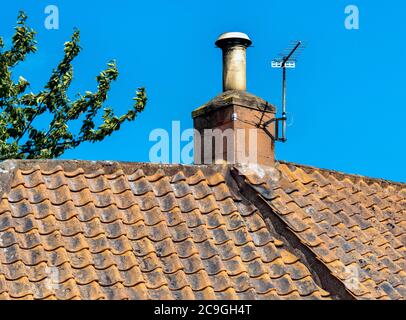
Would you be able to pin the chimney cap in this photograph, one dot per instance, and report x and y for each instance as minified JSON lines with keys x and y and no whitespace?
{"x":233,"y":38}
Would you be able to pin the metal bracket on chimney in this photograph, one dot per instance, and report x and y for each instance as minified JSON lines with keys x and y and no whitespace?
{"x":278,"y":124}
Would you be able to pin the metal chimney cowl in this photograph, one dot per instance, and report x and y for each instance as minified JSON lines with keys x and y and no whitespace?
{"x":234,"y":46}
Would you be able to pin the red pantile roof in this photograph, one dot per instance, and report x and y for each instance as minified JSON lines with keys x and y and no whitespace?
{"x":355,"y":226}
{"x":109,"y":230}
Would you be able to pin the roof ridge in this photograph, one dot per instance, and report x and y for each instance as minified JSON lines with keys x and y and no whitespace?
{"x":108,"y":166}
{"x":114,"y":165}
{"x":367,"y":179}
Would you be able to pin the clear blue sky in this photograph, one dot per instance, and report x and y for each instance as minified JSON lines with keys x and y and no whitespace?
{"x":346,"y":98}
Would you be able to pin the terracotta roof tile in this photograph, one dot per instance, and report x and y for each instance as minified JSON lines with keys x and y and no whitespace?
{"x":354,"y":225}
{"x":77,"y":230}
{"x":83,"y":231}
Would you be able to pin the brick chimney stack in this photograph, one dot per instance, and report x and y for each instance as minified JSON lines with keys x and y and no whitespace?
{"x":226,"y":128}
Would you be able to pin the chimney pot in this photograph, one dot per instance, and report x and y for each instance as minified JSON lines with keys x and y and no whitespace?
{"x":234,"y":46}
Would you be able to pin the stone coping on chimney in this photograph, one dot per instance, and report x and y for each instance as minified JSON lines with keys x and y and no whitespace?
{"x":235,"y":97}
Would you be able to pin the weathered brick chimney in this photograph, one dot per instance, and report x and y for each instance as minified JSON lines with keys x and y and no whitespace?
{"x":226,"y":128}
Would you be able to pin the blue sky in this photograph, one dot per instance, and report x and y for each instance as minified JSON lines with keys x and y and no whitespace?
{"x":346,"y":99}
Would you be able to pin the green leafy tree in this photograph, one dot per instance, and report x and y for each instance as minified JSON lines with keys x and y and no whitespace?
{"x":20,"y":110}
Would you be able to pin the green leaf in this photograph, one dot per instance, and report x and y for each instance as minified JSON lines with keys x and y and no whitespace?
{"x":21,"y":135}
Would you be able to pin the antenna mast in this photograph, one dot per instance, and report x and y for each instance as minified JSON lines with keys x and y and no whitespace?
{"x":287,"y":60}
{"x":284,"y":66}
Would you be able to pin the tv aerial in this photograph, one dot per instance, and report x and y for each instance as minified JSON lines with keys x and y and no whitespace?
{"x":286,"y":60}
